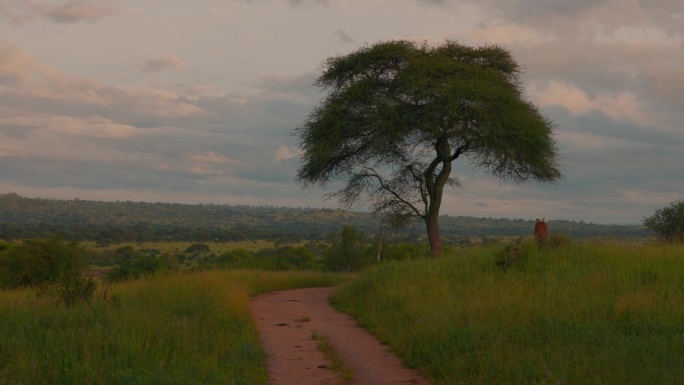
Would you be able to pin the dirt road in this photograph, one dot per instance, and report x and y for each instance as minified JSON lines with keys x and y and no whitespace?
{"x":286,"y":321}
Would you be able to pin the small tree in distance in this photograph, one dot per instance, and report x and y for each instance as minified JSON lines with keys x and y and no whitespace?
{"x":398,"y":113}
{"x":668,"y":222}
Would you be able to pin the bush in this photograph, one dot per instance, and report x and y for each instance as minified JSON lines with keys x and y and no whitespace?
{"x":236,"y":259}
{"x":404,"y":251}
{"x":35,"y":263}
{"x":51,"y":266}
{"x":132,"y":264}
{"x":287,"y":258}
{"x":558,"y":241}
{"x":197,"y":248}
{"x":349,"y":251}
{"x":668,"y":222}
{"x":71,"y":290}
{"x":513,"y":254}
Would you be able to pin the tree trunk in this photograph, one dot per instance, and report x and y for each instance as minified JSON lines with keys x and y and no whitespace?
{"x":378,"y":256}
{"x":435,"y":188}
{"x":435,"y":238}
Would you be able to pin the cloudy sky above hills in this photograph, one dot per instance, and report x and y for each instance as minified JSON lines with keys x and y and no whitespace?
{"x":194,"y":101}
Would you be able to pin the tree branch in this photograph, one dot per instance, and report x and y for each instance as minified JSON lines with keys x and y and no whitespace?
{"x":372,"y":173}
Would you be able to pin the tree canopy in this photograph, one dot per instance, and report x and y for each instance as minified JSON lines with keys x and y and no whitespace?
{"x":398,"y":113}
{"x":668,"y":222}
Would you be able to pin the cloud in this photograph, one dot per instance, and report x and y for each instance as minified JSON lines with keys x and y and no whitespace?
{"x":583,"y":17}
{"x":15,"y":63}
{"x":71,"y":12}
{"x":63,"y":132}
{"x":91,"y":126}
{"x":294,"y":3}
{"x":624,"y":78}
{"x":77,"y":11}
{"x":622,"y":105}
{"x":161,"y":63}
{"x":286,"y":153}
{"x":609,"y":73}
{"x":14,"y":13}
{"x":212,"y":157}
{"x":508,"y":34}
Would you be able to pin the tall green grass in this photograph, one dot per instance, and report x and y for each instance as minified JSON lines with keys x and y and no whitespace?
{"x":178,"y":329}
{"x":587,"y":314}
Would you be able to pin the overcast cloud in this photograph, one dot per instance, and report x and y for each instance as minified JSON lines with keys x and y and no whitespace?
{"x":184,"y":101}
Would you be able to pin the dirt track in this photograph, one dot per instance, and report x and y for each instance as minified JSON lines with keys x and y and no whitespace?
{"x":286,"y":321}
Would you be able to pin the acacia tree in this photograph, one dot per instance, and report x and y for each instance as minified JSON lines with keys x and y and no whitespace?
{"x":397,"y":114}
{"x":668,"y":222}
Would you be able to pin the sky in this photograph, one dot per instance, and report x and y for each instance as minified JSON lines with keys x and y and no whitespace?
{"x":195,"y":101}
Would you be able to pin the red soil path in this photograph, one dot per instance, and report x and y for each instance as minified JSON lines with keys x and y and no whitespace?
{"x":286,"y":321}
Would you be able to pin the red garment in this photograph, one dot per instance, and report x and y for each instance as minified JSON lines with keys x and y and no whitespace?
{"x":540,"y":230}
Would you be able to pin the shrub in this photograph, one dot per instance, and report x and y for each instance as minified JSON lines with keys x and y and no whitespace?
{"x":514,"y":253}
{"x":348,"y":251}
{"x":71,"y":290}
{"x":236,"y":258}
{"x":668,"y":222}
{"x":197,"y":248}
{"x":286,"y":258}
{"x":35,"y":263}
{"x":133,"y":265}
{"x":51,"y":266}
{"x":558,"y":241}
{"x":404,"y":251}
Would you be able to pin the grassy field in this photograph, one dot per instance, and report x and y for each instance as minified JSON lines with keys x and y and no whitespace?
{"x":175,"y":329}
{"x":179,"y":247}
{"x":588,"y":314}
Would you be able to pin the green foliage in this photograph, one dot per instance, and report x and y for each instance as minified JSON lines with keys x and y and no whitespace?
{"x":668,"y":222}
{"x":404,"y":251}
{"x":398,"y":113}
{"x":236,"y":259}
{"x":171,"y":329}
{"x":197,"y":248}
{"x":333,"y":357}
{"x":72,"y":290}
{"x":349,"y":251}
{"x":558,"y":241}
{"x":287,"y":258}
{"x":36,"y":262}
{"x":513,"y":254}
{"x":53,"y":267}
{"x":282,"y":258}
{"x":582,"y":314}
{"x":133,"y":264}
{"x":111,"y":223}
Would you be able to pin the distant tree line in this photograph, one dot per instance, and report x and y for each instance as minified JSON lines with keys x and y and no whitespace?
{"x":115,"y":222}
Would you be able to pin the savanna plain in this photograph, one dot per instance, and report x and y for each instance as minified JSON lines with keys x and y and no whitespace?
{"x":578,"y":313}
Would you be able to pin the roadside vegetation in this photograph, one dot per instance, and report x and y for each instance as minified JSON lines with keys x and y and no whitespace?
{"x":176,"y":328}
{"x":594,"y":313}
{"x":559,"y":312}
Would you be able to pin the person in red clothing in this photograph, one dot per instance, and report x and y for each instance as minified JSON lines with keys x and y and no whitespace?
{"x":540,"y":230}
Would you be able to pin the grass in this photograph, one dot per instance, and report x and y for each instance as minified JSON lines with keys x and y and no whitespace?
{"x":331,"y":355}
{"x":179,"y":247}
{"x":587,"y":314}
{"x":176,"y":329}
